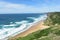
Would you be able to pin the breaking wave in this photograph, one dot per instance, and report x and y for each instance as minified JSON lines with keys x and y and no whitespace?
{"x":20,"y":26}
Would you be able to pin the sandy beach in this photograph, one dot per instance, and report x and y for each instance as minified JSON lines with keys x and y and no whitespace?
{"x":38,"y":26}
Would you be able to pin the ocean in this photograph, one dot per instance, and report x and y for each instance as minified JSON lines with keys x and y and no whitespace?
{"x":12,"y":24}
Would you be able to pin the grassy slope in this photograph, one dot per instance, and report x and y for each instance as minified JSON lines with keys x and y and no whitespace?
{"x":52,"y":33}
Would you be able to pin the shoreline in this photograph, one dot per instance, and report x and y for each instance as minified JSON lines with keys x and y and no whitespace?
{"x":38,"y":26}
{"x":29,"y":27}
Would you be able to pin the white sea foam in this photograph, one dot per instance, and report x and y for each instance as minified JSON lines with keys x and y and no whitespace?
{"x":40,"y":18}
{"x":9,"y":25}
{"x":2,"y":33}
{"x":25,"y":26}
{"x":11,"y":31}
{"x":24,"y":21}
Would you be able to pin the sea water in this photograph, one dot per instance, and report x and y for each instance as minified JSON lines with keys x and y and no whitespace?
{"x":12,"y":24}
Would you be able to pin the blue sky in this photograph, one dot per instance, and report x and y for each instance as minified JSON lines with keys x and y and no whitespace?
{"x":29,"y":6}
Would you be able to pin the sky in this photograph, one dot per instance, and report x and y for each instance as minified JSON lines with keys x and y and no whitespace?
{"x":29,"y":6}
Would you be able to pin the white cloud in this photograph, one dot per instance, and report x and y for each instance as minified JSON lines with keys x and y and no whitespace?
{"x":6,"y":7}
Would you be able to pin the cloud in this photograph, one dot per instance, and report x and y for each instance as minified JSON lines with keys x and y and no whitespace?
{"x":6,"y":7}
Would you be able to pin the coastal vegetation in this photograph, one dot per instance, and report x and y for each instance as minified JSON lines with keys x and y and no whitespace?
{"x":52,"y":33}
